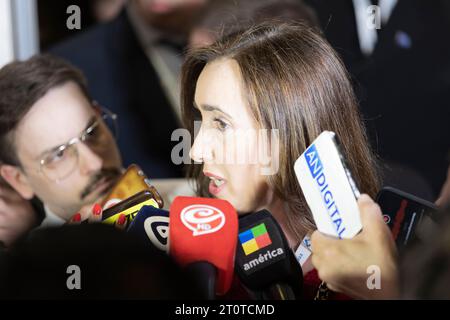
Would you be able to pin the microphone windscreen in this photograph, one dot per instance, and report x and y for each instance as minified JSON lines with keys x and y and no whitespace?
{"x":203,"y":229}
{"x":152,"y":225}
{"x":263,"y":255}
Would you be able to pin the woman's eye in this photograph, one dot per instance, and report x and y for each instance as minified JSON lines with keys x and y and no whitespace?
{"x":221,"y":125}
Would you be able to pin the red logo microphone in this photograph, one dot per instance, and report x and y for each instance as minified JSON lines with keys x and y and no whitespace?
{"x":205,"y":230}
{"x":202,"y":219}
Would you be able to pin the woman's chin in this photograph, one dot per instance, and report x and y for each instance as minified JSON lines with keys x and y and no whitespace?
{"x":241,"y":208}
{"x":237,"y":203}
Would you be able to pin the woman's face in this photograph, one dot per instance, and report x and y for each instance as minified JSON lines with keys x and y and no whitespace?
{"x":228,"y":141}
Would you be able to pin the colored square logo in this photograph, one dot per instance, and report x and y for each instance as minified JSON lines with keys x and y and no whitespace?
{"x":254,"y":239}
{"x":246,"y":236}
{"x":250,"y":247}
{"x":259,"y":230}
{"x":263,"y":240}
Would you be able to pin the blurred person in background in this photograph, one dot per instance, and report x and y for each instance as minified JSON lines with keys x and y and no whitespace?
{"x":222,"y":17}
{"x":106,"y":10}
{"x":132,"y":65}
{"x":401,"y":75}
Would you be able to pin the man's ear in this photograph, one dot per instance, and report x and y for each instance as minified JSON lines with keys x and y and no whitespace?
{"x":17,"y":179}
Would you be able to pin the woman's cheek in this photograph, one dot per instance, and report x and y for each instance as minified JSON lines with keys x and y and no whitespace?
{"x":241,"y":187}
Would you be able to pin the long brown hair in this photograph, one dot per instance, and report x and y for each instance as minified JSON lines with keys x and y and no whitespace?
{"x":294,"y":82}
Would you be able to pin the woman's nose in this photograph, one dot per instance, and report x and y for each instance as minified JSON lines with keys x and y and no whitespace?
{"x":201,"y":151}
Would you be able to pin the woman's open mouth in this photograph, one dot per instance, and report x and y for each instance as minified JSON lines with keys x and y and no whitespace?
{"x":217,"y":183}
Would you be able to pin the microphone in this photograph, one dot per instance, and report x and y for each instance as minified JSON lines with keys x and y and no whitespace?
{"x":152,"y":225}
{"x":129,"y":207}
{"x":203,"y":237}
{"x":264,"y":261}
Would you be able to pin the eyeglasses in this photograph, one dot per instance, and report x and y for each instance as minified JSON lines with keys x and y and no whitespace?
{"x":58,"y":163}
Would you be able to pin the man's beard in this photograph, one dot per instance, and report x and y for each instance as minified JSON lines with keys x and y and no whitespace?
{"x":109,"y":174}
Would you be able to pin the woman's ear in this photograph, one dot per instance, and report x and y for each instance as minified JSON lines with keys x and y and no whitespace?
{"x":17,"y":179}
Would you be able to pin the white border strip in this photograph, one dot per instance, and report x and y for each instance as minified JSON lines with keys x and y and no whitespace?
{"x":6,"y":33}
{"x":26,"y":28}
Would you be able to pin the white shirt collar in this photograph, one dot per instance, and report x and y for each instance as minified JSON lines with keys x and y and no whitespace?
{"x":51,"y":219}
{"x":365,"y":26}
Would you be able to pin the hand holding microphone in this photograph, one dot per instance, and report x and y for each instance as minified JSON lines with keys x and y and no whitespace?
{"x":344,"y":255}
{"x":346,"y":264}
{"x":93,"y":213}
{"x":130,"y":193}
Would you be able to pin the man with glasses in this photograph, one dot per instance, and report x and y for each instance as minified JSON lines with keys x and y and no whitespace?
{"x":55,"y":143}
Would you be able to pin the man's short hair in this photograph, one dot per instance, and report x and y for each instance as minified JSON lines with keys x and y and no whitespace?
{"x":22,"y":84}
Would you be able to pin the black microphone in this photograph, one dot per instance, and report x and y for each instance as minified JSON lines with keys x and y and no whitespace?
{"x":152,"y":225}
{"x":264,"y":261}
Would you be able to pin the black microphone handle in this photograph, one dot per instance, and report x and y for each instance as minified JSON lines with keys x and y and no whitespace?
{"x":279,"y":291}
{"x":204,"y":275}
